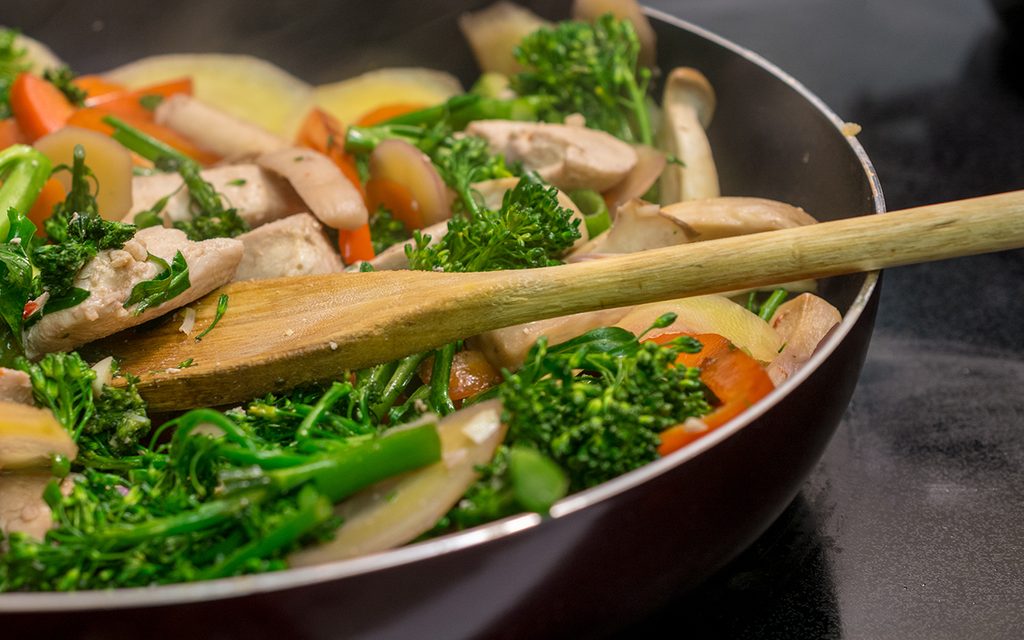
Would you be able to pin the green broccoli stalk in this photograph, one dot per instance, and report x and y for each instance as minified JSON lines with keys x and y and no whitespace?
{"x":23,"y":171}
{"x":591,"y":69}
{"x":210,"y":218}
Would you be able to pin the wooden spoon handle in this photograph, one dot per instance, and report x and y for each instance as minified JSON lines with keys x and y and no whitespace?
{"x":281,"y":333}
{"x":922,"y":234}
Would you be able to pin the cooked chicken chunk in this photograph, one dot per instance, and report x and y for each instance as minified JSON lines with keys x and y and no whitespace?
{"x":802,"y":323}
{"x":15,"y":386}
{"x":110,"y":277}
{"x":257,"y":195}
{"x":294,"y":246}
{"x":328,"y":194}
{"x":22,"y":507}
{"x":215,"y":130}
{"x":569,"y":157}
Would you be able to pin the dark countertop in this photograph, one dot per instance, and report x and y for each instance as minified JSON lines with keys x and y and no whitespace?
{"x":911,"y":526}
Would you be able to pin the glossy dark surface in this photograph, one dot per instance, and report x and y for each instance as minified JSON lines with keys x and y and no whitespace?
{"x":911,"y":526}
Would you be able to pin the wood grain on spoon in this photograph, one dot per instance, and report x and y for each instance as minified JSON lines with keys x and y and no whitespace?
{"x":280,"y":333}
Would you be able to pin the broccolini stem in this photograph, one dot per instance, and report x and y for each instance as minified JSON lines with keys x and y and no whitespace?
{"x":313,"y":510}
{"x":440,"y":400}
{"x":326,"y":402}
{"x":403,"y":373}
{"x":204,"y":516}
{"x":24,"y":171}
{"x":643,"y":120}
{"x":771,"y":305}
{"x":146,"y":146}
{"x":339,"y":473}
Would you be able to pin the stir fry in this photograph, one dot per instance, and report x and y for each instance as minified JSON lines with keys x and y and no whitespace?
{"x":127,"y":196}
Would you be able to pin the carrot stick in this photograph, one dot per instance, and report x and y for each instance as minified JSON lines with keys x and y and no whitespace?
{"x":736,"y":379}
{"x":130,"y":103}
{"x":39,"y":107}
{"x":96,"y":87}
{"x":355,"y":245}
{"x":51,"y":195}
{"x":386,"y":112}
{"x":395,"y":197}
{"x":322,"y":132}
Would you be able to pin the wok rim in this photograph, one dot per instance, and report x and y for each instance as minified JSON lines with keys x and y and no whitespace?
{"x":241,"y":586}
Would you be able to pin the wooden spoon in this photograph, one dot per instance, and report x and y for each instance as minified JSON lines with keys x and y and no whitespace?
{"x":280,"y":333}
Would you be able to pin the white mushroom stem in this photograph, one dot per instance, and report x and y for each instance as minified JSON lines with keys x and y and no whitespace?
{"x":688,"y":104}
{"x":215,"y":130}
{"x":321,"y":185}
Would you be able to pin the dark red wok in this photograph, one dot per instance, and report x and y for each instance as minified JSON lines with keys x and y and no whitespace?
{"x":608,"y":554}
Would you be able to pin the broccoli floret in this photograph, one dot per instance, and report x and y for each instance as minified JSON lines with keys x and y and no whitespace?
{"x":529,"y":230}
{"x":596,"y":404}
{"x":63,"y":78}
{"x":589,"y":69}
{"x":120,"y":422}
{"x":78,"y":233}
{"x":112,"y":423}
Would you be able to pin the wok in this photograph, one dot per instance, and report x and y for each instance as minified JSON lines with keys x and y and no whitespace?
{"x":606,"y":555}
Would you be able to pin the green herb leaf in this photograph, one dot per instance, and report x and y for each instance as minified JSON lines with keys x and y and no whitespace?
{"x":222,"y":308}
{"x":168,"y":284}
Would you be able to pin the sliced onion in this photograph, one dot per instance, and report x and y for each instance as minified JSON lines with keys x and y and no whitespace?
{"x":403,"y":163}
{"x":395,"y":511}
{"x":110,"y":162}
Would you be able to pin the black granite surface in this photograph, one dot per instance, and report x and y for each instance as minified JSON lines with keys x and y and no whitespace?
{"x":911,"y":526}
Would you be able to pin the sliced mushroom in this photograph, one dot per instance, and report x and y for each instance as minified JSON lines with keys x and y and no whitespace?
{"x":215,"y":130}
{"x":321,"y":185}
{"x":112,"y":274}
{"x":15,"y":386}
{"x":638,"y":226}
{"x":590,"y":10}
{"x":688,"y":104}
{"x":395,"y":511}
{"x":569,"y":157}
{"x":493,"y":192}
{"x":802,"y":323}
{"x":507,"y":347}
{"x":258,"y":195}
{"x":495,"y":31}
{"x":293,"y":246}
{"x":714,"y":218}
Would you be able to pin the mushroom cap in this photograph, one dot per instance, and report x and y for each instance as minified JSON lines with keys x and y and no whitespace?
{"x":686,"y":85}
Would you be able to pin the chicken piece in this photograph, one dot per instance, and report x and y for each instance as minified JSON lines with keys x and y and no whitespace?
{"x":322,"y":186}
{"x":493,"y":192}
{"x":15,"y":386}
{"x":569,"y":157}
{"x":802,"y":323}
{"x":294,"y":246}
{"x":714,"y":218}
{"x":507,"y":347}
{"x":215,"y":130}
{"x":22,"y":507}
{"x":110,"y":277}
{"x":257,"y":195}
